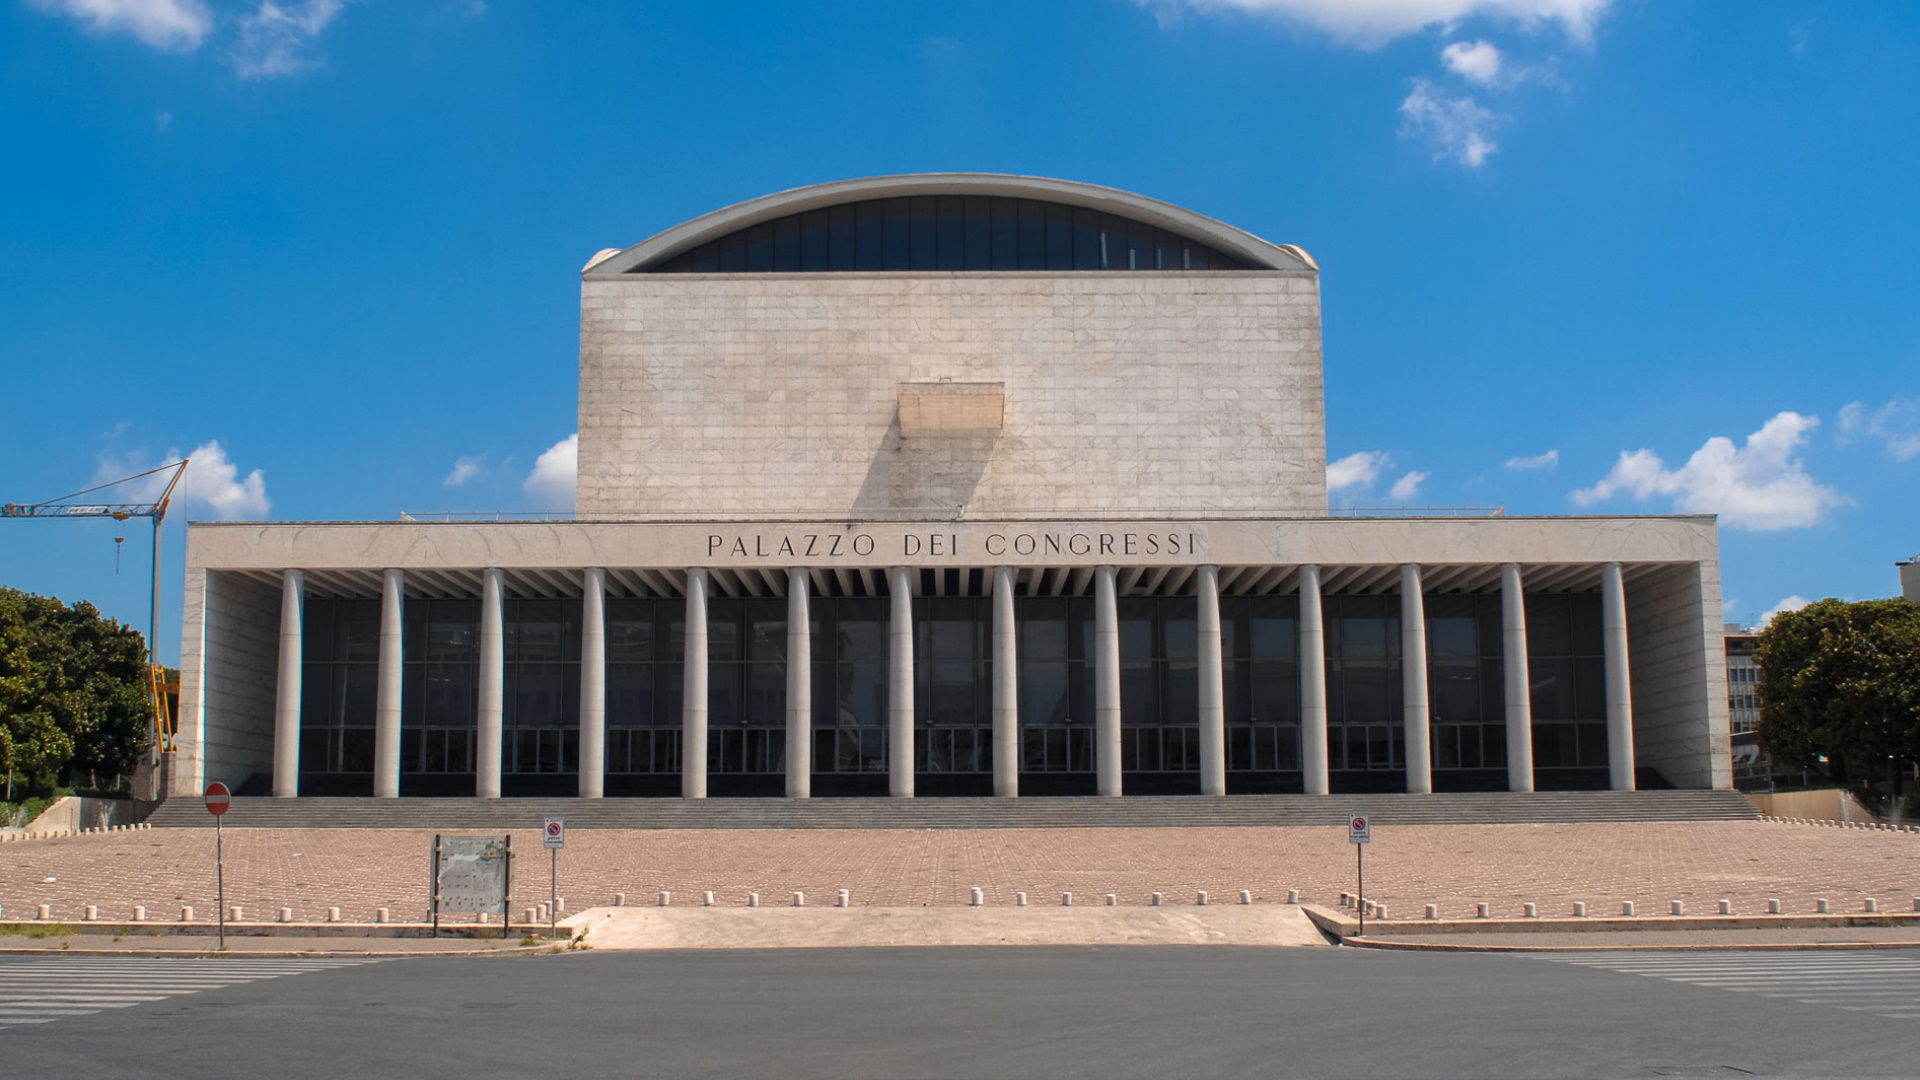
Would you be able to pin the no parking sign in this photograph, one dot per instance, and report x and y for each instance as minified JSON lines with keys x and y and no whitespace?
{"x":555,"y":835}
{"x":1359,"y":830}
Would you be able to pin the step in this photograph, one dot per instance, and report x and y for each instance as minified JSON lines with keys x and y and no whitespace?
{"x":1143,"y":811}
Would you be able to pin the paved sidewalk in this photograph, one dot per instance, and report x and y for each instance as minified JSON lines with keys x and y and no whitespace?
{"x":1454,"y":866}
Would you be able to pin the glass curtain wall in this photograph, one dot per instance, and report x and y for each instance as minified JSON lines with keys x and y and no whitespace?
{"x":850,"y":694}
{"x":1569,"y":689}
{"x":1261,"y":653}
{"x":953,"y":692}
{"x":1366,"y":737}
{"x":1159,"y":693}
{"x":540,"y":753}
{"x":746,"y":695}
{"x":340,"y":671}
{"x":646,"y":643}
{"x":1055,"y":639}
{"x":1467,"y":692}
{"x":440,"y":644}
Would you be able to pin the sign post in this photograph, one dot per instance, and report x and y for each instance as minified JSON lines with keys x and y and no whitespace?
{"x":554,"y":838}
{"x":1360,"y":834}
{"x":218,"y":799}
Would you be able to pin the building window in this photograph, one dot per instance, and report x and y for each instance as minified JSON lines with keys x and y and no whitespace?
{"x":947,"y":232}
{"x":1260,"y":651}
{"x":1054,"y":637}
{"x":1466,"y":682}
{"x":1568,"y":681}
{"x":1366,"y":731}
{"x":953,"y":675}
{"x":340,"y":672}
{"x":850,"y":683}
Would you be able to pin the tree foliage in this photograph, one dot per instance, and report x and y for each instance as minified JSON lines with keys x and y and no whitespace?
{"x":1841,"y":680}
{"x":73,"y":690}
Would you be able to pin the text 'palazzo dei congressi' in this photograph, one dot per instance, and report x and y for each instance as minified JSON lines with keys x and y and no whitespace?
{"x":952,"y":484}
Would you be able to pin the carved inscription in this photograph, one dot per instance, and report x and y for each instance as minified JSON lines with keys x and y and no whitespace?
{"x":958,"y":546}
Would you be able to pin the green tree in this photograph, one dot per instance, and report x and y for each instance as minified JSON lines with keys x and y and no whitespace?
{"x":73,"y":691}
{"x":1841,"y":680}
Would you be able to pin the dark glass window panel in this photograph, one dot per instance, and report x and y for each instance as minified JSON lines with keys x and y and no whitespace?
{"x":860,"y":630}
{"x":1549,"y":631}
{"x":1043,"y":693}
{"x":1589,"y":689}
{"x":1552,"y":690}
{"x":766,"y":693}
{"x":1180,"y":697}
{"x":1043,"y":630}
{"x":723,"y":695}
{"x":410,"y":751}
{"x":450,"y":695}
{"x":977,"y":228}
{"x":1139,"y":696}
{"x":1366,"y":692}
{"x":956,"y":694}
{"x":1470,"y":756}
{"x":766,"y":630}
{"x":949,"y":229}
{"x":1005,"y":217}
{"x":316,"y":631}
{"x":869,"y":236}
{"x":1086,"y":240}
{"x":630,"y":695}
{"x":1354,"y":744}
{"x":629,"y":630}
{"x":355,"y":694}
{"x":1493,"y":746}
{"x":1493,"y":691}
{"x":1113,"y":242}
{"x":1274,"y":628}
{"x":316,"y":695}
{"x":1445,"y":742}
{"x":786,"y":245}
{"x":1059,"y":237}
{"x":356,"y":750}
{"x":923,"y":233}
{"x":705,"y":259}
{"x":896,"y":245}
{"x":1455,"y":692}
{"x":1592,"y":746}
{"x":842,"y":243}
{"x":1139,"y":247}
{"x":1033,"y":235}
{"x":1553,"y":746}
{"x":1583,"y":615}
{"x":453,"y":630}
{"x":733,"y":254}
{"x":1135,"y":616}
{"x":723,"y":630}
{"x":1235,"y":634}
{"x":813,"y":240}
{"x":356,"y":630}
{"x":413,"y":694}
{"x":1275,"y":687}
{"x":1179,"y":628}
{"x":1452,"y":629}
{"x":670,"y":630}
{"x":860,"y":695}
{"x":1167,"y":253}
{"x":535,"y":630}
{"x":760,"y":249}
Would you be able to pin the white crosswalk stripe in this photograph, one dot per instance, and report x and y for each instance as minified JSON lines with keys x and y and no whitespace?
{"x":43,"y":990}
{"x":1884,"y":983}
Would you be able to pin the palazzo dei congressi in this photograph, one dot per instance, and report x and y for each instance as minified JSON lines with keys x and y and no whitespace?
{"x":952,"y":484}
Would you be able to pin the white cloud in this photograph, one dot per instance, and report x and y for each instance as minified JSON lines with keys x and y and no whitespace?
{"x":554,"y":473}
{"x":1369,"y":23}
{"x":274,"y":40}
{"x":163,"y":121}
{"x":1454,"y":127}
{"x":1896,"y":424}
{"x":465,"y":469}
{"x":1548,"y":460}
{"x":173,"y":25}
{"x":1356,"y":470}
{"x":1791,"y":603}
{"x":212,"y":482}
{"x":1474,"y":61}
{"x":1761,"y":486}
{"x":1407,"y":488}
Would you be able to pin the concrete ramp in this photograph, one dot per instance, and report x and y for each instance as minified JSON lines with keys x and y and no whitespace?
{"x":869,"y":927}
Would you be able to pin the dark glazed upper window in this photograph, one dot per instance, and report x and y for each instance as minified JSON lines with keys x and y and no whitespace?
{"x":947,"y":232}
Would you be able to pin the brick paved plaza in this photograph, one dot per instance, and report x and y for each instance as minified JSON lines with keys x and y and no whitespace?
{"x":1454,"y":866}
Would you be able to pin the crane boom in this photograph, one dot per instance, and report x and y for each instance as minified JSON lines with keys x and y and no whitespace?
{"x":164,"y":726}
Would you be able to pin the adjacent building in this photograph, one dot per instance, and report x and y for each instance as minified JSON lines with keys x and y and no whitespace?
{"x":953,"y":484}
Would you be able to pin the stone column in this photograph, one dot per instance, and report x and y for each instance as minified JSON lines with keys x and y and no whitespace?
{"x":1213,"y":695}
{"x":593,"y":684}
{"x":286,"y":703}
{"x":900,"y":685}
{"x":1313,"y":684}
{"x":493,"y":684}
{"x":386,"y":706}
{"x":693,"y":691}
{"x":1414,"y":705}
{"x":1613,"y":639}
{"x":1006,"y":689}
{"x":1106,"y":682}
{"x":1513,"y":637}
{"x":799,"y":685}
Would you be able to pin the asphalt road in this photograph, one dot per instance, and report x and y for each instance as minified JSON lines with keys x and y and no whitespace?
{"x":1069,"y":1012}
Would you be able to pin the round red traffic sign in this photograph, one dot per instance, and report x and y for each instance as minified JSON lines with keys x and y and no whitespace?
{"x":218,"y":798}
{"x":1359,"y":824}
{"x":553,"y":828}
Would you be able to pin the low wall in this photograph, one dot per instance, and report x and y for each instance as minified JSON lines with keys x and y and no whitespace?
{"x":1832,"y":804}
{"x":77,"y":812}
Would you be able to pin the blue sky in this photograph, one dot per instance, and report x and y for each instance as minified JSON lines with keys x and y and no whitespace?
{"x":1578,"y":255}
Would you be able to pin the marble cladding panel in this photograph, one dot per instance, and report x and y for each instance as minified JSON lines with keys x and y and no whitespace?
{"x":1680,"y":723}
{"x":185,"y":767}
{"x":241,"y":667}
{"x":778,"y":394}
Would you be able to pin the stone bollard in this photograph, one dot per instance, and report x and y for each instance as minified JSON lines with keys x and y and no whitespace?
{"x":1480,"y":911}
{"x":544,"y":912}
{"x":666,"y":897}
{"x":1529,"y":910}
{"x":1380,"y":912}
{"x":237,"y":914}
{"x":976,"y":897}
{"x":559,"y":903}
{"x":1066,"y":899}
{"x":753,"y":899}
{"x":532,"y":916}
{"x":1726,"y":907}
{"x":842,"y":898}
{"x":1579,"y":909}
{"x":1202,"y":899}
{"x":382,"y":915}
{"x":1820,"y":907}
{"x":1246,"y":896}
{"x":92,"y":913}
{"x":799,"y":899}
{"x":286,"y":914}
{"x":1293,"y":896}
{"x":619,"y":899}
{"x":1346,"y":900}
{"x":1433,"y":911}
{"x":186,"y":914}
{"x":1916,"y":903}
{"x":1773,"y":907}
{"x":706,"y":899}
{"x":1678,"y":908}
{"x":1626,"y":908}
{"x":46,"y":912}
{"x":1156,"y":901}
{"x":1113,"y":899}
{"x":1019,"y":899}
{"x":1873,"y":906}
{"x":333,"y":915}
{"x":139,"y":913}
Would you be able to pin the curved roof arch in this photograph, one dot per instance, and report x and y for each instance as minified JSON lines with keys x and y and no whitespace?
{"x":1239,"y":244}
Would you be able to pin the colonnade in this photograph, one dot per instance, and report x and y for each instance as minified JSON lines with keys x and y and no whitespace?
{"x":1005,"y":696}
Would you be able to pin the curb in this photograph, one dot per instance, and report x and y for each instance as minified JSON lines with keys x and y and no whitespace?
{"x":215,"y":954}
{"x":1777,"y":946}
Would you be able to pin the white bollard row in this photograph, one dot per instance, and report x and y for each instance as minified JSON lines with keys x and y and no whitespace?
{"x":59,"y":834}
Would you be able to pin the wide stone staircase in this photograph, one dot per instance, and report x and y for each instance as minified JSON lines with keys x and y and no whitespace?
{"x":1139,"y":811}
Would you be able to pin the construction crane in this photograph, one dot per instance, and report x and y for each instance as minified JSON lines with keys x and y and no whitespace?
{"x":164,"y":722}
